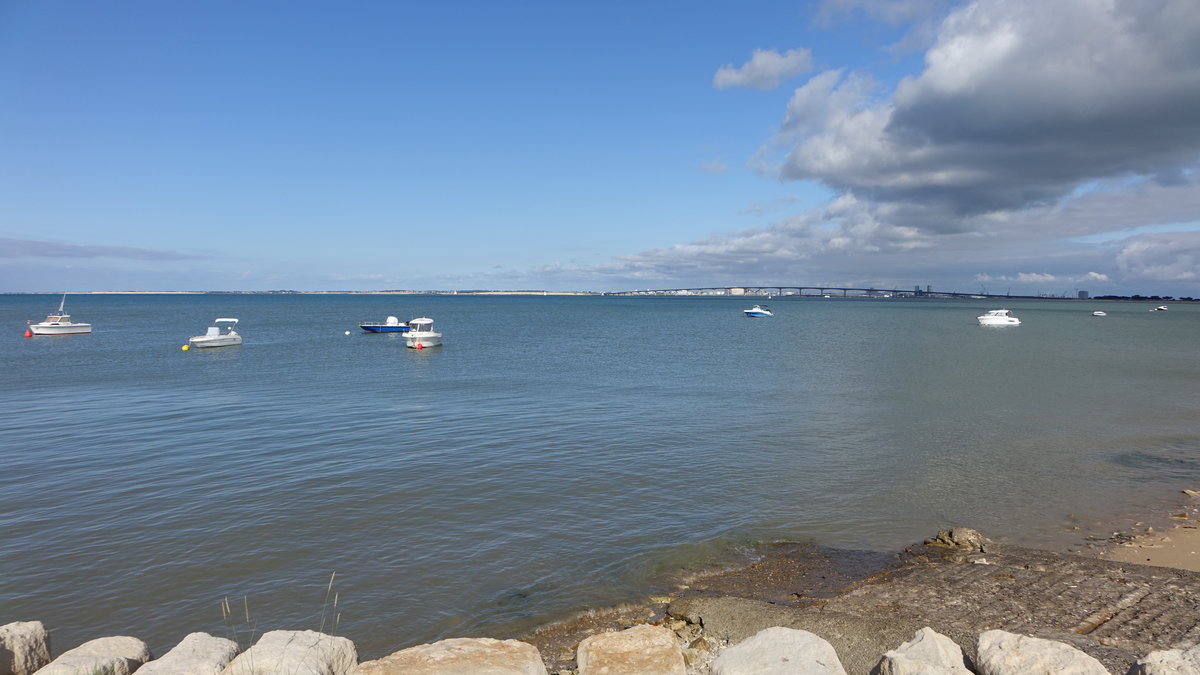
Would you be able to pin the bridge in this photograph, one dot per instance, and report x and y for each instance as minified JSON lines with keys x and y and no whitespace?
{"x":817,"y":292}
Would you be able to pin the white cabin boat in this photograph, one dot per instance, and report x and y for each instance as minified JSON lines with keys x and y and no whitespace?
{"x":1099,"y":313}
{"x":1160,"y":308}
{"x":758,"y":311}
{"x":998,"y":317}
{"x":215,"y":338}
{"x":59,"y":323}
{"x":421,"y":334}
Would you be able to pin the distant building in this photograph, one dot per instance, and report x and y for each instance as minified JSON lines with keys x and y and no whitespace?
{"x":1083,"y":295}
{"x":736,"y":291}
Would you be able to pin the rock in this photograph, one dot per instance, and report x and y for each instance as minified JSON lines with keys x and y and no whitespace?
{"x":960,"y":538}
{"x":196,"y":654}
{"x":779,"y":651}
{"x":1004,"y":653}
{"x":460,"y":656}
{"x":296,"y":652}
{"x":1169,"y":662}
{"x":119,"y":655}
{"x":641,"y":650}
{"x":928,"y":653}
{"x":24,"y":647}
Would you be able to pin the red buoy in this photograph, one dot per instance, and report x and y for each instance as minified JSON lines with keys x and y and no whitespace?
{"x":28,"y":333}
{"x":420,"y":346}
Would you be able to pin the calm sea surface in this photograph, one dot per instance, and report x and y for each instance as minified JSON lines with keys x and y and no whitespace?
{"x":556,"y":453}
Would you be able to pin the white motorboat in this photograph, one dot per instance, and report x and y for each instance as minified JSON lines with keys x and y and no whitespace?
{"x":998,"y":317}
{"x":59,"y":323}
{"x":1099,"y":313}
{"x":215,"y":338}
{"x":421,"y":334}
{"x":758,"y":311}
{"x":1160,"y":308}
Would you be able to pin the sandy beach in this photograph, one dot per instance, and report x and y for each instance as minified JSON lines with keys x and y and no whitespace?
{"x":1176,"y":546}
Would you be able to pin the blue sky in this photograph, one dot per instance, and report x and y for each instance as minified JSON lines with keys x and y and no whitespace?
{"x":219,"y":145}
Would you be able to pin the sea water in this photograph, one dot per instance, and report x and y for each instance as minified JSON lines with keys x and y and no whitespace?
{"x":556,"y":452}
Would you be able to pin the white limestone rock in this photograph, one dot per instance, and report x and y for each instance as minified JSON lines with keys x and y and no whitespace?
{"x":296,"y":652}
{"x":460,"y":656}
{"x":196,"y":654}
{"x":24,"y":647}
{"x":1004,"y":653}
{"x":927,"y":653}
{"x":1169,"y":662}
{"x":779,"y":651}
{"x":641,"y":650}
{"x":120,"y":655}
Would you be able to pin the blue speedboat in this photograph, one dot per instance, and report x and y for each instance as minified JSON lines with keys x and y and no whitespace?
{"x":758,"y":311}
{"x":391,"y":325}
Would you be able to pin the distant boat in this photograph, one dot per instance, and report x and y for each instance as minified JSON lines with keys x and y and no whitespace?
{"x":59,"y":323}
{"x":215,"y":338}
{"x":998,"y":317}
{"x":758,"y":311}
{"x":390,"y":325}
{"x":1099,"y":313}
{"x":1160,"y":308}
{"x":422,"y":334}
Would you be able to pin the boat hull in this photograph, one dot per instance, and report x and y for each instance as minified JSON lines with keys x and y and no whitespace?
{"x":989,"y":321}
{"x":384,"y":329}
{"x":757,"y":315}
{"x":59,"y":328}
{"x":203,"y":342}
{"x":421,"y":340}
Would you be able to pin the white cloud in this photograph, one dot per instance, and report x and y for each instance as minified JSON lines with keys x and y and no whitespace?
{"x":1162,"y":257}
{"x":765,"y":69}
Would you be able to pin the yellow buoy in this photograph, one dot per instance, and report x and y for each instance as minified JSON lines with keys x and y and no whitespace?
{"x":185,"y":347}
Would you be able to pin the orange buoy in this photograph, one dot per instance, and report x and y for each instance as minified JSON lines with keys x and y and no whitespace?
{"x":28,"y":333}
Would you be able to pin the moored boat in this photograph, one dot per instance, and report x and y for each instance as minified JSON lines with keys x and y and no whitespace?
{"x":421,"y":334}
{"x":59,"y":323}
{"x":215,"y":338}
{"x":998,"y":317}
{"x":1099,"y":313}
{"x":390,"y":325}
{"x":758,"y":312}
{"x":1160,"y":308}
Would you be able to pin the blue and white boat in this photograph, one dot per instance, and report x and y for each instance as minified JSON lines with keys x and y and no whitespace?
{"x":391,"y":325}
{"x":758,"y":311}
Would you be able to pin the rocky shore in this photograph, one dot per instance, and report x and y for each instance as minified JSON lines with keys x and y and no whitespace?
{"x":955,"y":604}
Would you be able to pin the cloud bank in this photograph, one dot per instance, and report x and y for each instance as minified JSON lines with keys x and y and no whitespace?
{"x":1031,"y":125}
{"x":30,"y":248}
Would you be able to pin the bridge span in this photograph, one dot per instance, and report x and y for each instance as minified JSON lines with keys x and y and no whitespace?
{"x":813,"y":292}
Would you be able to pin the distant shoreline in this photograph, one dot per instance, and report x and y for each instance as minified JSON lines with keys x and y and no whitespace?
{"x":654,"y":294}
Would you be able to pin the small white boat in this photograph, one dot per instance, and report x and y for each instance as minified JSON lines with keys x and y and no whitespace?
{"x":421,"y":334}
{"x":1160,"y":308}
{"x":758,"y":311}
{"x":998,"y":317}
{"x":59,"y":323}
{"x":215,"y":338}
{"x":1099,"y":313}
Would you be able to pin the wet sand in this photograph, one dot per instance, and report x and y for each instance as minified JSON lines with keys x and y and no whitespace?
{"x":1176,"y":546}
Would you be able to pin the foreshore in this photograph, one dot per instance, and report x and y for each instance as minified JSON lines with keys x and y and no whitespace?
{"x":1114,"y":602}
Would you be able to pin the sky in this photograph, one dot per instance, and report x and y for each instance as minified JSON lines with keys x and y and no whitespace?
{"x":999,"y":146}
